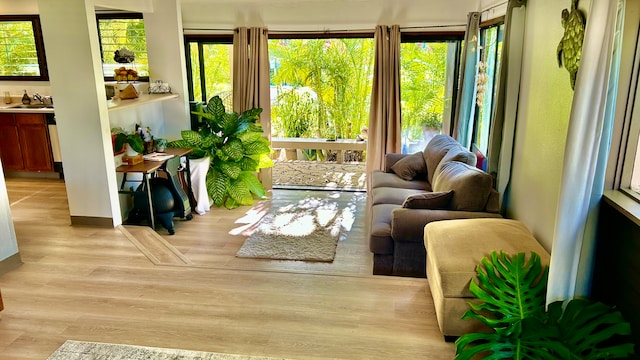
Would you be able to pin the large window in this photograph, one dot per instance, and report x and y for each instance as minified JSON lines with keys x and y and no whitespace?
{"x":320,"y":87}
{"x":427,"y":86}
{"x":487,"y":84}
{"x":209,"y":64}
{"x":123,"y":31}
{"x":21,"y":49}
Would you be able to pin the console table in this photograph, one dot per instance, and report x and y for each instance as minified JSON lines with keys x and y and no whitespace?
{"x":148,"y":169}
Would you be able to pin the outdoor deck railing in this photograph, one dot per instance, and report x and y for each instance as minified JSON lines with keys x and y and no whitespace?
{"x":339,"y":145}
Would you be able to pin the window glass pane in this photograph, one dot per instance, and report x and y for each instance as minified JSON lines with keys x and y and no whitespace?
{"x":18,"y":54}
{"x":217,"y":72}
{"x":426,"y":88}
{"x":116,"y":34}
{"x":196,"y":89}
{"x":321,"y":88}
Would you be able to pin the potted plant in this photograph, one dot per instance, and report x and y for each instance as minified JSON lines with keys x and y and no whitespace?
{"x":132,"y":142}
{"x":237,"y":150}
{"x":512,"y":294}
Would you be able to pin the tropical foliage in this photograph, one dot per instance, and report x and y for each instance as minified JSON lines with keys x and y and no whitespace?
{"x":237,"y":149}
{"x":512,"y":292}
{"x":335,"y":78}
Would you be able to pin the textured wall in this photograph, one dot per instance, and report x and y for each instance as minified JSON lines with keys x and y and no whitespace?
{"x":543,"y":118}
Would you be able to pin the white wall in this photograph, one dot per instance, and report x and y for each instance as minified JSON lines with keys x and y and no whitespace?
{"x":543,"y":118}
{"x":8,"y":242}
{"x":323,"y":14}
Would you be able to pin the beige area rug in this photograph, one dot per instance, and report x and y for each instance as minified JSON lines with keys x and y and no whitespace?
{"x":308,"y":230}
{"x":76,"y":350}
{"x":324,"y":175}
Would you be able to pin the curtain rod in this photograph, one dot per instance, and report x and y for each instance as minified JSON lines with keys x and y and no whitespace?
{"x":334,"y":30}
{"x":494,"y":7}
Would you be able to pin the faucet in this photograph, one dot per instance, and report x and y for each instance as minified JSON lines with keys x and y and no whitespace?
{"x":38,"y":97}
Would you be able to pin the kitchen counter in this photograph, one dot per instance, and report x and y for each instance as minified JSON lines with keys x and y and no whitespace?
{"x":7,"y":108}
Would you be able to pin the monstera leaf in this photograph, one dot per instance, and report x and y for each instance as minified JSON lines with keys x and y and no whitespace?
{"x":512,"y":303}
{"x":237,"y":149}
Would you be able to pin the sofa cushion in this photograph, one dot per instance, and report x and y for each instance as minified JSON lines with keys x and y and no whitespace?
{"x":435,"y":150}
{"x":389,"y":195}
{"x":471,"y":186}
{"x":429,"y":200}
{"x":380,"y":241}
{"x":457,"y":154}
{"x":410,"y":167}
{"x":384,"y":179}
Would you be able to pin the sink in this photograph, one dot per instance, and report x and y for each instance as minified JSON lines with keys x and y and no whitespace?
{"x":32,"y":106}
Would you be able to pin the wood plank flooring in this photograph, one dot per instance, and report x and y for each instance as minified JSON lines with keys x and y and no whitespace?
{"x":94,"y":284}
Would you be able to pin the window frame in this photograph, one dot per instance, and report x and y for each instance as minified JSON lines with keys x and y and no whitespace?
{"x":201,"y":40}
{"x":445,"y":36}
{"x":39,"y":43}
{"x":485,"y":26}
{"x":118,"y":16}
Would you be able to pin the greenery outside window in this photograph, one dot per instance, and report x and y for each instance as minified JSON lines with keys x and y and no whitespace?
{"x":491,"y":38}
{"x":428,"y":68}
{"x":117,"y":31}
{"x":320,"y":85}
{"x":209,"y":64}
{"x":22,"y":54}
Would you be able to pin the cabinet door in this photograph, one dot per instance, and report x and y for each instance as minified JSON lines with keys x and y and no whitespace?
{"x":35,"y":143}
{"x":10,"y":151}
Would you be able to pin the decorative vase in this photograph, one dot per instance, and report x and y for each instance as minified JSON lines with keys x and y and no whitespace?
{"x":129,"y":151}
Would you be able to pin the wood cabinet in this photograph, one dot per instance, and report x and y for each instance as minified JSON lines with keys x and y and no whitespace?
{"x":25,"y":143}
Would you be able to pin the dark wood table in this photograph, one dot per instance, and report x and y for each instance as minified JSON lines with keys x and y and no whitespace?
{"x":148,"y":168}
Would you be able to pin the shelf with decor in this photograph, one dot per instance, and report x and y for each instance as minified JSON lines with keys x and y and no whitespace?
{"x":119,"y":104}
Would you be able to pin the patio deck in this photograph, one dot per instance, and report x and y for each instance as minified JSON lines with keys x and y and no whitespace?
{"x":326,"y":175}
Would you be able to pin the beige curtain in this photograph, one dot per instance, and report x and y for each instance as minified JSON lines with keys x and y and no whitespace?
{"x":384,"y":116}
{"x":251,"y":79}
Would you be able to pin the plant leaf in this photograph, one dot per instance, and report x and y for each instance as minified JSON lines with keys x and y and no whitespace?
{"x":230,"y":203}
{"x":215,"y":107}
{"x":248,"y":164}
{"x":591,"y":328}
{"x":265,"y":161}
{"x":249,"y":136}
{"x":253,"y":184}
{"x":230,"y":168}
{"x":233,"y":149}
{"x":258,"y":147}
{"x":239,"y":191}
{"x":217,"y":185}
{"x":193,"y":138}
{"x":179,"y":144}
{"x":510,"y":289}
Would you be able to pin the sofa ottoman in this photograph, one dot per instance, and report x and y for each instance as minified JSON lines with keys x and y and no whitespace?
{"x":454,"y":249}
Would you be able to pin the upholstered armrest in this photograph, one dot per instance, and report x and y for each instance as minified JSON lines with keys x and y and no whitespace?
{"x":407,"y":225}
{"x":390,"y":159}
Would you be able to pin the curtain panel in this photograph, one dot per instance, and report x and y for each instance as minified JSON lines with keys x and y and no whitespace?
{"x":466,"y":99}
{"x":384,"y":115}
{"x":251,"y":88}
{"x":588,"y":138}
{"x":504,"y":119}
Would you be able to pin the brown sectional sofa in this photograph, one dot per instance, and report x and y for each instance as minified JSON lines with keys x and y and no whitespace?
{"x":439,"y":183}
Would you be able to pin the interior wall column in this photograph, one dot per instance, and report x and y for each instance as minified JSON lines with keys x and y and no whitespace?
{"x":165,"y":50}
{"x":77,"y":84}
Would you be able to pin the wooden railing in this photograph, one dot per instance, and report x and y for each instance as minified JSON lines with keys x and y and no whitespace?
{"x":339,"y":145}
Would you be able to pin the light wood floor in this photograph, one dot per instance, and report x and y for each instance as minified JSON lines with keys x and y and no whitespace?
{"x":94,"y":284}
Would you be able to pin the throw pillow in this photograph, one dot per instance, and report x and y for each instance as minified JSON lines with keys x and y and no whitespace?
{"x":429,"y":200}
{"x":471,"y":186}
{"x":409,"y":167}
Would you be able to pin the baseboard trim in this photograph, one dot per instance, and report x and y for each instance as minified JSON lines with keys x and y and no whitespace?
{"x":10,"y":263}
{"x":91,"y":221}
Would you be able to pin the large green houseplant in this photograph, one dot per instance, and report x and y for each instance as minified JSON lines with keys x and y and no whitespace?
{"x":512,"y":294}
{"x":237,"y":150}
